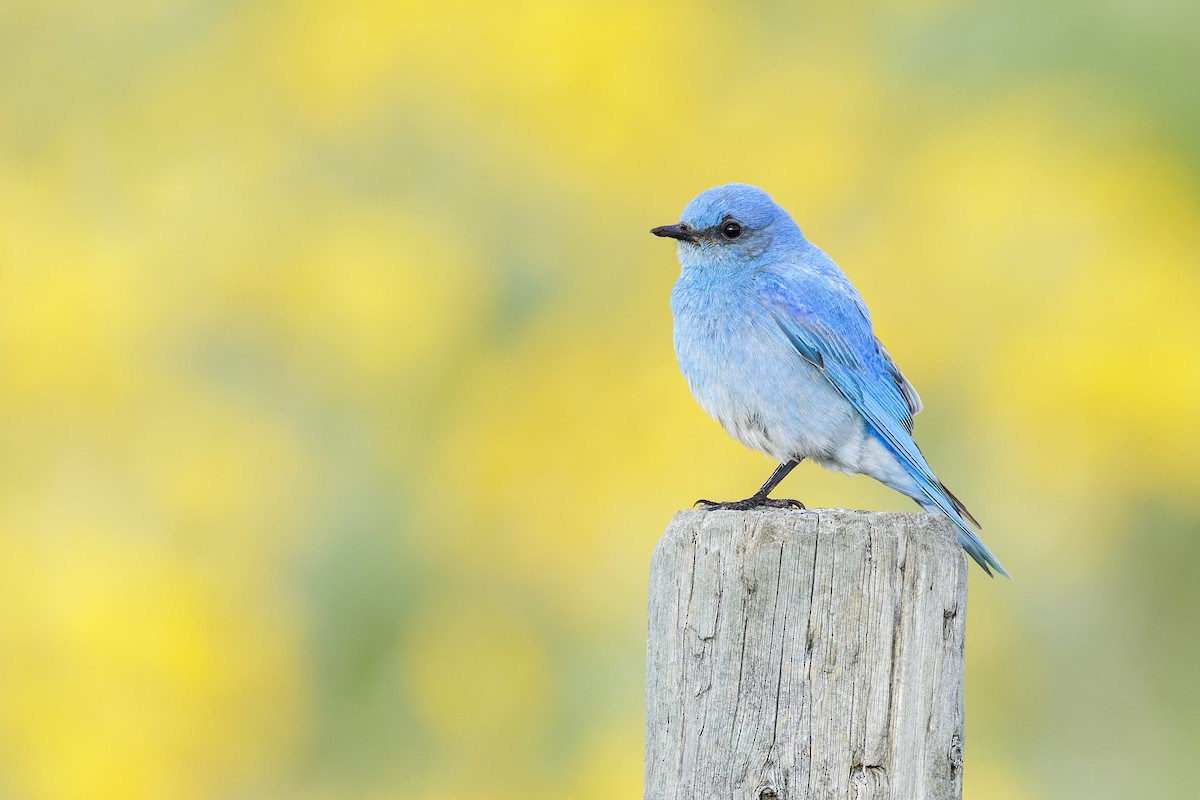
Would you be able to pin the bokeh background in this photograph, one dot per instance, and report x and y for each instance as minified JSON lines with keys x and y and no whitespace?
{"x":338,"y":410}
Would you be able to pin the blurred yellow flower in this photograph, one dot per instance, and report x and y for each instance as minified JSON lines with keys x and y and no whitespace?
{"x":339,"y":412}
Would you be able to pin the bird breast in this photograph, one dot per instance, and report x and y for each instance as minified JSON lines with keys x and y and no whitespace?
{"x":746,"y":375}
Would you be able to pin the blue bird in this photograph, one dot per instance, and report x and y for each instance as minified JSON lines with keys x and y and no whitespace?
{"x":777,"y":345}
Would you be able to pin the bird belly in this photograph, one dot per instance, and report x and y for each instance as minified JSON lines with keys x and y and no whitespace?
{"x":745,"y":374}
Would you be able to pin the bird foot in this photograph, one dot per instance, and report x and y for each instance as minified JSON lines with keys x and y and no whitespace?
{"x":748,"y":503}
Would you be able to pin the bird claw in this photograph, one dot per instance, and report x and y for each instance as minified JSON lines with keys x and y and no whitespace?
{"x":748,"y":503}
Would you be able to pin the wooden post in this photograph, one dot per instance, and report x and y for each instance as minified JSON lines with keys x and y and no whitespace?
{"x":805,"y":655}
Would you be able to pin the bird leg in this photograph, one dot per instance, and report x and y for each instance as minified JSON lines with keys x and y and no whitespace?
{"x":759,"y":499}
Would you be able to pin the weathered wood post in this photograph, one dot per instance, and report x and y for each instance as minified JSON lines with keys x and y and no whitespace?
{"x":805,"y":655}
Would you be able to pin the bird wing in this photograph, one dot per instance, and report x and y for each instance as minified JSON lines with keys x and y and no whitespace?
{"x":824,"y":318}
{"x":911,"y":398}
{"x":830,"y":326}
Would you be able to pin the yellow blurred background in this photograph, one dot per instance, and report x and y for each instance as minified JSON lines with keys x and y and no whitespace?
{"x":339,"y":412}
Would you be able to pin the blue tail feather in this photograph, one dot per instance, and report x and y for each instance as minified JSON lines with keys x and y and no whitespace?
{"x":943,"y":502}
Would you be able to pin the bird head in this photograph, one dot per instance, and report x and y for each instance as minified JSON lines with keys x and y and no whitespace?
{"x":734,"y":223}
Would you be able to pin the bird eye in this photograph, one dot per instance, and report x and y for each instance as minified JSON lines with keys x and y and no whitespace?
{"x":731,"y":229}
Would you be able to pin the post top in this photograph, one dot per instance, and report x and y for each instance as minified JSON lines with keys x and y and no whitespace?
{"x":845,"y":530}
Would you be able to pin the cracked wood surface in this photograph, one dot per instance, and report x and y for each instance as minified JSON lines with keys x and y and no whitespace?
{"x":805,"y":655}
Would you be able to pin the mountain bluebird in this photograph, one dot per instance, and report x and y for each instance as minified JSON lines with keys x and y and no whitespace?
{"x":777,"y":345}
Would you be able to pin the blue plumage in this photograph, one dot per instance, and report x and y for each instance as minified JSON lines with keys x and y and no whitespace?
{"x":777,"y":345}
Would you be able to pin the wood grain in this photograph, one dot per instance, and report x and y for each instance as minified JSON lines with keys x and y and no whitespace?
{"x":805,"y":655}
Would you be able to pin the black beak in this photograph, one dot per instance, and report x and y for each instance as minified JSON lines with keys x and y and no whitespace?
{"x":678,"y":231}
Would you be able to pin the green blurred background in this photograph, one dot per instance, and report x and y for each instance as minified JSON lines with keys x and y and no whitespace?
{"x":339,"y":414}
